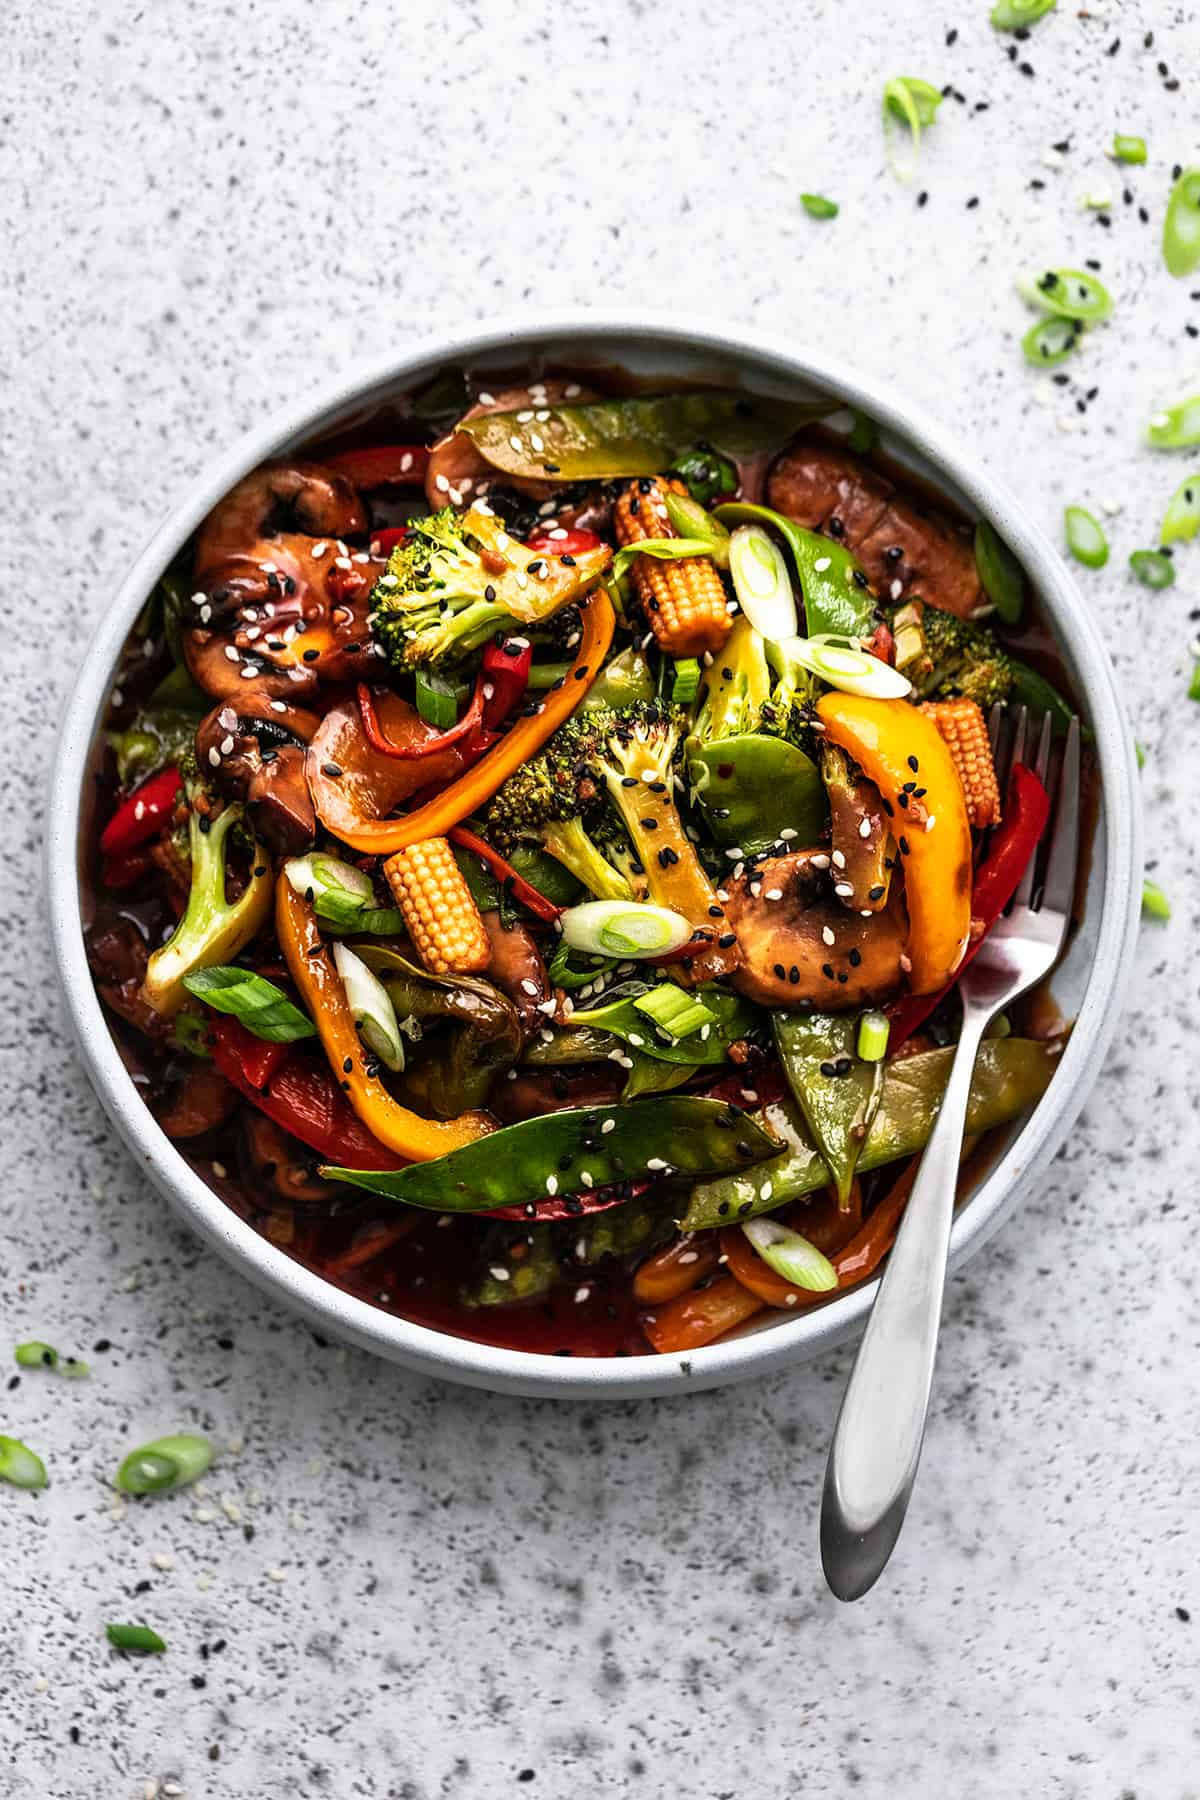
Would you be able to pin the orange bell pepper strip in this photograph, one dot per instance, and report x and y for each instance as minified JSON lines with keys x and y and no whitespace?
{"x":697,"y":1318}
{"x":319,"y":985}
{"x":901,"y":750}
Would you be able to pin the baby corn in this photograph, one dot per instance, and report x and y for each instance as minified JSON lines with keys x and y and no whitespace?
{"x":684,"y":601}
{"x":964,"y":728}
{"x":442,"y":918}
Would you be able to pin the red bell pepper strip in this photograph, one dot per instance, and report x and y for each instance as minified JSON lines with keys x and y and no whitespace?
{"x":300,"y":1096}
{"x":1026,"y":810}
{"x":568,"y":1206}
{"x":500,"y":685}
{"x":384,"y":542}
{"x":122,"y":871}
{"x":518,"y":887}
{"x":382,"y":465}
{"x":568,"y":543}
{"x":143,"y":814}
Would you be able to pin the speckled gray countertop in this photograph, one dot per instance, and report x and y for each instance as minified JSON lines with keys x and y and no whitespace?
{"x":395,"y":1588}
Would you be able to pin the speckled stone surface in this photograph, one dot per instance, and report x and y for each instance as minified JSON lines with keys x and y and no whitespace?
{"x":395,"y":1588}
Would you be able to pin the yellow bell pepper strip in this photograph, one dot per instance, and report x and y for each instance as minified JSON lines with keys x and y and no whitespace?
{"x":320,"y":988}
{"x":475,"y":787}
{"x":213,"y":929}
{"x":901,"y":750}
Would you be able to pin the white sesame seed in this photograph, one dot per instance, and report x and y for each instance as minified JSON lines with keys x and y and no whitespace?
{"x":515,"y":442}
{"x":162,"y":1559}
{"x":788,"y":833}
{"x":844,"y":890}
{"x":278,"y":705}
{"x":766,"y":1190}
{"x":930,"y":822}
{"x":585,"y":1176}
{"x":822,"y":563}
{"x":906,"y":964}
{"x":529,"y":987}
{"x":233,"y":653}
{"x":276,"y":1574}
{"x":736,"y":854}
{"x":827,"y":935}
{"x":820,"y":861}
{"x":552,"y":1184}
{"x":499,"y":1273}
{"x":655,"y":1162}
{"x":487,"y":399}
{"x":214,"y":756}
{"x":318,"y":550}
{"x":837,"y":857}
{"x":608,"y":1125}
{"x":773,"y":894}
{"x":864,"y":830}
{"x":572,"y":390}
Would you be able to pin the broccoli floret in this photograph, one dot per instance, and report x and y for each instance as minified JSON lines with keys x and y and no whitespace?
{"x":458,"y":578}
{"x":753,"y":686}
{"x":213,"y":929}
{"x":543,"y":803}
{"x":957,"y":656}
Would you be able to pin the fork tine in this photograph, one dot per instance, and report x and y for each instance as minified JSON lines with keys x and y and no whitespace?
{"x":995,"y":726}
{"x":1058,"y":891}
{"x":1024,"y":893}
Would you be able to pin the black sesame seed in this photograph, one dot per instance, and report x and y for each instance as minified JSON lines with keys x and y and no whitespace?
{"x":489,"y":592}
{"x":855,"y":958}
{"x":332,"y":770}
{"x":904,"y":846}
{"x":310,"y":656}
{"x":913,"y":764}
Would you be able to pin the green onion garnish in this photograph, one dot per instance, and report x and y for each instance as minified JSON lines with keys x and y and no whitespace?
{"x":874,"y":1029}
{"x":437,"y":699}
{"x":1152,"y":568}
{"x":999,"y":572}
{"x":913,"y":103}
{"x":685,"y":683}
{"x":258,"y":1004}
{"x":134,"y":1637}
{"x":673,"y":1011}
{"x":36,"y":1355}
{"x":20,"y":1466}
{"x":1051,"y":341}
{"x":1085,"y":537}
{"x":341,"y":895}
{"x":1181,"y":227}
{"x":762,"y":583}
{"x":371,"y":1008}
{"x":791,"y":1256}
{"x":839,"y":662}
{"x":624,"y":928}
{"x":691,"y":520}
{"x":191,"y":1033}
{"x":1140,"y":754}
{"x":1128,"y":149}
{"x":818,"y":207}
{"x":1155,"y":904}
{"x":1068,"y":293}
{"x":1182,"y":517}
{"x":1194,"y":683}
{"x":1176,"y":427}
{"x":166,"y":1463}
{"x":1015,"y":15}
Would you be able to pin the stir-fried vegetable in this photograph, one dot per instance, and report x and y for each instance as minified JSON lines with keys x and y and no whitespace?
{"x":999,"y":573}
{"x":214,"y":928}
{"x":262,"y":1008}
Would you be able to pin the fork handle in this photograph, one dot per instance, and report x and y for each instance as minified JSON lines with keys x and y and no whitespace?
{"x":877,"y":1440}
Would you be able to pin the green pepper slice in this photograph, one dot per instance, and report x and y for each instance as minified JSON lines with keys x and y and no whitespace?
{"x":1010,"y":1075}
{"x":837,"y":600}
{"x":837,"y":1093}
{"x":570,"y":1151}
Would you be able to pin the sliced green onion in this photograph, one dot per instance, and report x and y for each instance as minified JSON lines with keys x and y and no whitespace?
{"x":874,"y":1029}
{"x":999,"y":572}
{"x":341,"y":895}
{"x":1015,"y":15}
{"x":690,"y":520}
{"x":1176,"y":427}
{"x":1155,"y":904}
{"x":36,"y":1355}
{"x":20,"y":1466}
{"x":761,"y":582}
{"x":258,"y":1004}
{"x":685,"y":681}
{"x":190,"y":1032}
{"x":673,"y":1011}
{"x":1085,"y":537}
{"x":1152,"y":568}
{"x":842,"y":665}
{"x":165,"y":1463}
{"x":371,"y":1007}
{"x":1181,"y":227}
{"x":913,"y":103}
{"x":661,"y":549}
{"x":1128,"y":149}
{"x":863,"y":434}
{"x":437,"y":699}
{"x":624,"y":928}
{"x":1140,"y":754}
{"x":563,"y":975}
{"x":1070,"y":293}
{"x":1051,"y":341}
{"x":818,"y":207}
{"x":134,"y":1637}
{"x":1182,"y":517}
{"x":791,"y":1256}
{"x":1194,"y":683}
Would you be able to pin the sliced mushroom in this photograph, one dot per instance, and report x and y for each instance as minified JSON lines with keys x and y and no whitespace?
{"x":200,"y":1101}
{"x":254,"y":750}
{"x":799,"y":945}
{"x":863,"y":850}
{"x":283,"y":1162}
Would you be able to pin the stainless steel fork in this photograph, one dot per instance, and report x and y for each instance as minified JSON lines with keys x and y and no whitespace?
{"x":877,"y":1440}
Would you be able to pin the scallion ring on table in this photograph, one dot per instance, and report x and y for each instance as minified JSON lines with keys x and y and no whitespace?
{"x":1152,"y":568}
{"x":255,"y":1002}
{"x":624,"y":928}
{"x":1194,"y":683}
{"x":371,"y":1007}
{"x":1176,"y":427}
{"x":1181,"y":226}
{"x":912,"y":103}
{"x":134,"y":1637}
{"x":36,"y":1355}
{"x":1085,"y":537}
{"x":1069,"y":293}
{"x":1128,"y":149}
{"x":1015,"y":15}
{"x":762,"y":583}
{"x":1182,"y":517}
{"x":999,"y":572}
{"x":843,"y":665}
{"x":20,"y":1466}
{"x":818,"y":207}
{"x":1051,"y":341}
{"x":791,"y":1255}
{"x":1155,"y":904}
{"x":165,"y":1463}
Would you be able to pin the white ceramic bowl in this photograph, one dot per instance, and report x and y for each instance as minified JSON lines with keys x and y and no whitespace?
{"x":1088,"y":985}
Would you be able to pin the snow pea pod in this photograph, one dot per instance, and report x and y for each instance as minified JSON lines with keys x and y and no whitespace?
{"x":1010,"y":1075}
{"x":571,"y":1151}
{"x":1031,"y":689}
{"x":601,"y":439}
{"x":837,"y":599}
{"x":749,"y":788}
{"x":514,"y":1263}
{"x":836,"y":1092}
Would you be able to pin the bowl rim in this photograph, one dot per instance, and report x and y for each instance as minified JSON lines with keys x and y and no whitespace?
{"x":791,"y":1339}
